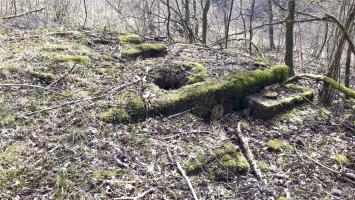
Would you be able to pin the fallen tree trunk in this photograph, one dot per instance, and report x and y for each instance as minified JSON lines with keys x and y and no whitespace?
{"x":349,"y":92}
{"x":229,"y":92}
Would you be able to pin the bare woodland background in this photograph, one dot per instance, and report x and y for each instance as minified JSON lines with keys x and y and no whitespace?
{"x":254,"y":25}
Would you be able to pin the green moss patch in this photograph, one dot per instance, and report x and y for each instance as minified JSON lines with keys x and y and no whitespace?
{"x":146,"y":50}
{"x":11,"y":153}
{"x":221,"y":164}
{"x":130,"y":38}
{"x":131,"y":53}
{"x":71,"y":58}
{"x":115,"y":115}
{"x":342,"y":160}
{"x":42,"y":77}
{"x":279,"y":146}
{"x":263,"y":166}
{"x":177,"y":75}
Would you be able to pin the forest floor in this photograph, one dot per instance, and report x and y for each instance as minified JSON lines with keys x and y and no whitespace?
{"x":68,"y":152}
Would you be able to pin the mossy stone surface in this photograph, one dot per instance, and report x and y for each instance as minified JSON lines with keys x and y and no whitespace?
{"x":130,"y":38}
{"x":221,"y":163}
{"x":229,"y":93}
{"x":266,"y":108}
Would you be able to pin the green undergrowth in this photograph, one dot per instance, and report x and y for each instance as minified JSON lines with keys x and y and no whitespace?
{"x":229,"y":93}
{"x":342,"y":160}
{"x":71,"y":58}
{"x":220,"y":164}
{"x":145,"y":50}
{"x":130,"y":38}
{"x":42,"y":77}
{"x":279,"y":146}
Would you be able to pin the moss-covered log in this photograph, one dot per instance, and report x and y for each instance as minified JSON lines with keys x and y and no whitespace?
{"x":230,"y":93}
{"x":349,"y":92}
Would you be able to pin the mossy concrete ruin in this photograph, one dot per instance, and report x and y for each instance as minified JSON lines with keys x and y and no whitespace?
{"x":145,"y":50}
{"x":229,"y":93}
{"x":265,"y":108}
{"x":178,"y":75}
{"x":221,"y":164}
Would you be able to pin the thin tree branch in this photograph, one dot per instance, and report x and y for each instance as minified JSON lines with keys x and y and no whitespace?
{"x":22,"y":14}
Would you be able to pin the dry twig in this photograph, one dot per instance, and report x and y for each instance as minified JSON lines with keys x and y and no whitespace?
{"x":22,"y":14}
{"x":119,"y":88}
{"x":62,"y":77}
{"x":348,"y":176}
{"x":31,"y":86}
{"x":139,"y":196}
{"x":182,"y":172}
{"x":247,"y":152}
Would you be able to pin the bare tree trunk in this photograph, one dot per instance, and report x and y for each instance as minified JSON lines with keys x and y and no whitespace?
{"x":334,"y":68}
{"x":86,"y":13}
{"x":168,"y":20}
{"x":271,"y":28}
{"x":205,"y":10}
{"x":194,"y":5}
{"x":227,"y":19}
{"x":14,"y":4}
{"x":243,"y":20}
{"x":189,"y":31}
{"x":251,"y":26}
{"x":347,"y":69}
{"x":289,"y":36}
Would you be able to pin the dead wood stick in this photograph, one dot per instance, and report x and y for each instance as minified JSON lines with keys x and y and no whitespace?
{"x":62,"y":77}
{"x":247,"y":152}
{"x":349,"y":176}
{"x":119,"y":88}
{"x":22,"y":14}
{"x":30,"y":86}
{"x":139,"y":196}
{"x":182,"y":172}
{"x":325,"y":79}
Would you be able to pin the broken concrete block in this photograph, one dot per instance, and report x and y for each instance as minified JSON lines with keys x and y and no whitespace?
{"x":263,"y":107}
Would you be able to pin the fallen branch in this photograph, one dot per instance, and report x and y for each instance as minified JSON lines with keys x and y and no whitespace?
{"x":349,"y":176}
{"x":22,"y":14}
{"x":325,"y":79}
{"x":139,"y":196}
{"x":119,"y":88}
{"x":61,"y":78}
{"x":182,"y":172}
{"x":247,"y":152}
{"x":30,"y":86}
